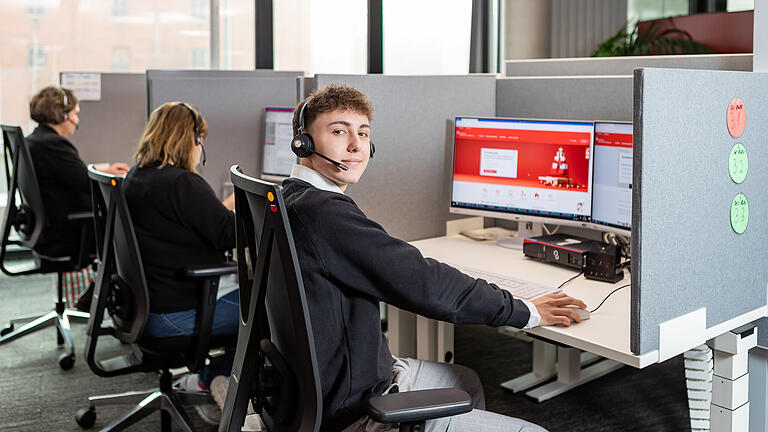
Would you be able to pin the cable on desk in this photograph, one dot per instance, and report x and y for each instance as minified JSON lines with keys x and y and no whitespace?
{"x":566,"y":282}
{"x":606,"y":297}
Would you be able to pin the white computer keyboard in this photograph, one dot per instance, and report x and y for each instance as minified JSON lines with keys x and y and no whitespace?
{"x":519,"y":288}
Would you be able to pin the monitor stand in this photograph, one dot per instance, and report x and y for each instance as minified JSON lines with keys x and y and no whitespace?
{"x":524,"y":229}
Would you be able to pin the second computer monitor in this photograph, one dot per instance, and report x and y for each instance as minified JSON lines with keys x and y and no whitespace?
{"x":537,"y":169}
{"x":278,"y":133}
{"x":612,"y":178}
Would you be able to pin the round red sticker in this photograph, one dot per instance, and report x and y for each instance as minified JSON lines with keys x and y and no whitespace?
{"x":736,"y":118}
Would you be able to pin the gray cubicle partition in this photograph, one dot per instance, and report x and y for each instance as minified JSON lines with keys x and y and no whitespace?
{"x":232,"y":104}
{"x":690,"y":269}
{"x":573,"y":98}
{"x":625,"y":65}
{"x":406,"y":185}
{"x":110,"y":128}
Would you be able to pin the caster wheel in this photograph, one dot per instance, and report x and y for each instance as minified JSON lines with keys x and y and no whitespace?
{"x":66,"y":361}
{"x":86,"y":417}
{"x":6,"y":330}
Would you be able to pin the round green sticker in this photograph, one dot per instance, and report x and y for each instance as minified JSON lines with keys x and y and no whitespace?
{"x":738,"y":163}
{"x":739,"y":213}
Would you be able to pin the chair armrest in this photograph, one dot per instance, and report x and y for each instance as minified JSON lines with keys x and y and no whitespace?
{"x":204,"y":271}
{"x":419,"y":405}
{"x":85,"y":216}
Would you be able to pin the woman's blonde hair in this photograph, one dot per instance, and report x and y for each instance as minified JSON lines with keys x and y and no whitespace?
{"x":169,"y":137}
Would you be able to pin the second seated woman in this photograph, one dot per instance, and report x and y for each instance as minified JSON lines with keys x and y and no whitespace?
{"x":180,"y":222}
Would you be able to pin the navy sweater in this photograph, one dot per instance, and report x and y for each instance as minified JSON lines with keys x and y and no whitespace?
{"x":349,"y":263}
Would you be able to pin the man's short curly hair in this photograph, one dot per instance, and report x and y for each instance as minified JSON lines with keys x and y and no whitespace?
{"x":51,"y":103}
{"x":331,"y":98}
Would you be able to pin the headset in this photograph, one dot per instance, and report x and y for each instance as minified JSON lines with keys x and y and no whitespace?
{"x":64,"y":102}
{"x":303,"y":145}
{"x":196,"y":120}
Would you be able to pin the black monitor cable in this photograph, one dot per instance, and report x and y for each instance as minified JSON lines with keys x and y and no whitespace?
{"x":606,"y":297}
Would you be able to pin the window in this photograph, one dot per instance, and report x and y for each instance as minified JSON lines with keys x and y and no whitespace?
{"x":121,"y":59}
{"x":120,"y":8}
{"x":199,"y":8}
{"x":36,"y":57}
{"x":199,"y":58}
{"x":414,"y":44}
{"x":35,"y":8}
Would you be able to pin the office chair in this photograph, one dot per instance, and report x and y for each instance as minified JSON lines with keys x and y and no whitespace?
{"x":121,"y":291}
{"x":275,"y":364}
{"x":25,"y":214}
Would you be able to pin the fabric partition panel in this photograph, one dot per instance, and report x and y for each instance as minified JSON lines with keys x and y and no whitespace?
{"x":406,"y":186}
{"x":233,"y":108}
{"x":624,"y":65}
{"x":567,"y":98}
{"x":686,"y":252}
{"x":110,"y":128}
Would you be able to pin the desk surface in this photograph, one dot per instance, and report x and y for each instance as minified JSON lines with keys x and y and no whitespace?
{"x":606,"y":333}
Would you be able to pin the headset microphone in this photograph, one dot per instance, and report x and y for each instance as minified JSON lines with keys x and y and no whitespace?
{"x":198,"y":138}
{"x":299,"y":147}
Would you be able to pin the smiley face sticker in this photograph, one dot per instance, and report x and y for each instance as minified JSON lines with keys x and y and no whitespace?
{"x":738,"y":163}
{"x":736,"y":117}
{"x":739,"y":213}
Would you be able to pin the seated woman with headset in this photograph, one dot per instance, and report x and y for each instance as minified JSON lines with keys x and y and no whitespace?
{"x":61,"y":174}
{"x":180,"y":222}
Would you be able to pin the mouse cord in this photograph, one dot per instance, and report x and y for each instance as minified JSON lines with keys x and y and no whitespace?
{"x":606,"y":297}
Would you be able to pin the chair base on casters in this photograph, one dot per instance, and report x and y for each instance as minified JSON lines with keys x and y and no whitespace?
{"x":60,"y":317}
{"x":166,"y":399}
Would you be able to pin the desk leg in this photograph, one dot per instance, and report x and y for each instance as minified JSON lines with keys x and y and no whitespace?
{"x":758,"y":389}
{"x":699,"y":366}
{"x":401,"y":332}
{"x":570,"y":373}
{"x":544,"y":369}
{"x":729,"y":410}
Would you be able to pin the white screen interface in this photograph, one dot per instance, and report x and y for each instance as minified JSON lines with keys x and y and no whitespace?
{"x":534,"y":167}
{"x":278,"y":133}
{"x":612,"y":181}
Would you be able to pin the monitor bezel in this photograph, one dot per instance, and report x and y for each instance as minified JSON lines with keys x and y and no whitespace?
{"x":602,"y":226}
{"x":520,"y":217}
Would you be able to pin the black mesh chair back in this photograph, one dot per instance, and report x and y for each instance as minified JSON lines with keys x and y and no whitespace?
{"x":125,"y":294}
{"x":24,"y":209}
{"x":275,"y":347}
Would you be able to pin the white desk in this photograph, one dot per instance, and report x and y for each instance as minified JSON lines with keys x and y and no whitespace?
{"x":606,"y":333}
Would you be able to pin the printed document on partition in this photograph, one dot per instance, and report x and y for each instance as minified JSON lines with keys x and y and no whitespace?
{"x":496,"y":162}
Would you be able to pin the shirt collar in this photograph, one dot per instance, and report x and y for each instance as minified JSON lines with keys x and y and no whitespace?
{"x":314,"y":178}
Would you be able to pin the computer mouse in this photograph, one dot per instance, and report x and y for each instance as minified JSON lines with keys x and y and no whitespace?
{"x":582,"y":313}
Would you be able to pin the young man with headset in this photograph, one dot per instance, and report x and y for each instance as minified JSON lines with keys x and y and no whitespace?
{"x":349,"y":263}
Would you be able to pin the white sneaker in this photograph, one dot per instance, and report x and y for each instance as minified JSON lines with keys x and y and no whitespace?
{"x":209,"y":412}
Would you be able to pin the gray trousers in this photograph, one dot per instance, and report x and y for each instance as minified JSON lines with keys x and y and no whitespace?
{"x":412,"y":374}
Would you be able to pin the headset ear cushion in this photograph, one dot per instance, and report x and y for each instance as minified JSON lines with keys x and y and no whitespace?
{"x":302,"y":145}
{"x":373,"y":149}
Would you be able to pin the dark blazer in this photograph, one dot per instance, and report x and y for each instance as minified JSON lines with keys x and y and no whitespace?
{"x":348,"y":264}
{"x":64,"y":186}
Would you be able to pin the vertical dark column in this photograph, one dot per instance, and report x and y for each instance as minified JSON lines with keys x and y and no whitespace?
{"x":265,"y":52}
{"x":375,"y":37}
{"x":478,"y":45}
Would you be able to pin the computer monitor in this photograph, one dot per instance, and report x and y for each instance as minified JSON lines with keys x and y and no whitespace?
{"x":522,"y":169}
{"x":278,"y":132}
{"x":612,"y":178}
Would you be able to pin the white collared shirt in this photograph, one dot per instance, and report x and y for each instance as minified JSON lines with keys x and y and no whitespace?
{"x":316,"y":179}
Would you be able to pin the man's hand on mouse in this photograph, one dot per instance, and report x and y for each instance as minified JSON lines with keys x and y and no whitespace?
{"x":554,"y":309}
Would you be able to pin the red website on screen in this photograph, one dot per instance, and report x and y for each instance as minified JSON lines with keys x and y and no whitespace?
{"x":523,"y":166}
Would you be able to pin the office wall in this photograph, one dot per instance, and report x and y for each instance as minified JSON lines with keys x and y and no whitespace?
{"x":110,"y":128}
{"x":685,"y":254}
{"x":578,"y":27}
{"x":406,"y":186}
{"x":625,"y":65}
{"x":573,"y":98}
{"x":233,"y":108}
